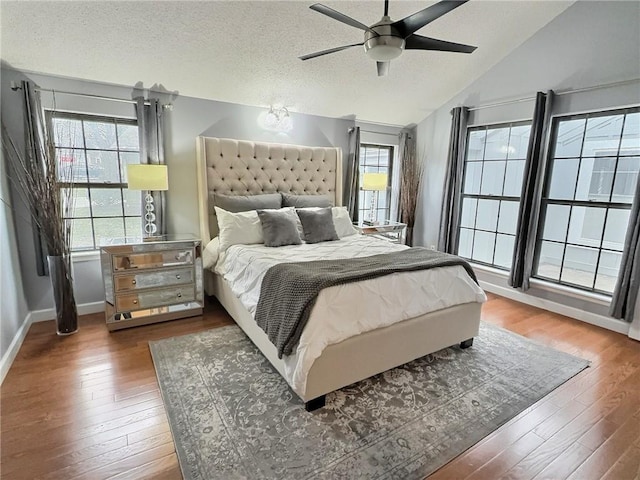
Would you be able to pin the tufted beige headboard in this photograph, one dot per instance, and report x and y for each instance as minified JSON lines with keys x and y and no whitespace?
{"x":237,"y":167}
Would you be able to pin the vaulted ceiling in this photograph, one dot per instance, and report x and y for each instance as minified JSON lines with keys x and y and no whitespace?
{"x":247,"y":51}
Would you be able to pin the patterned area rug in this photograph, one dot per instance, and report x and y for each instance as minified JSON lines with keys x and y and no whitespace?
{"x":233,"y":416}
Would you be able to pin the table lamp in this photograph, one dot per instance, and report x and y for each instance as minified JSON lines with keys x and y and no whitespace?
{"x":148,"y":178}
{"x":374,"y":182}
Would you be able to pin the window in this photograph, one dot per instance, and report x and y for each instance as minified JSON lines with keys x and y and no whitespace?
{"x":92,"y":154}
{"x":492,"y":184}
{"x":591,"y":180}
{"x":375,"y":159}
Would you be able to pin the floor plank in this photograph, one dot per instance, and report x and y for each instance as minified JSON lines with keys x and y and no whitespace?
{"x":88,"y":405}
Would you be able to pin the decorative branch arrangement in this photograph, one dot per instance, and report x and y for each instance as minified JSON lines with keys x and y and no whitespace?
{"x":37,"y":184}
{"x":410,"y":178}
{"x":38,"y":178}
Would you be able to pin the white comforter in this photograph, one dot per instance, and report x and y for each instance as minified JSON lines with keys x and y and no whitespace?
{"x":339,"y":313}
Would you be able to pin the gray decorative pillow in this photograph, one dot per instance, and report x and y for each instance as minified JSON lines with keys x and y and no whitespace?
{"x":305,"y":201}
{"x":279,"y":227}
{"x":317,"y":225}
{"x":244,"y":203}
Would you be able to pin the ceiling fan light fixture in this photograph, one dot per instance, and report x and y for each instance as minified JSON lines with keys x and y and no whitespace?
{"x":386,"y":39}
{"x":384,"y":47}
{"x":384,"y":53}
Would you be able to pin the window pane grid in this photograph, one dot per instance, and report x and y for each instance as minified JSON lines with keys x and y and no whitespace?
{"x":579,"y":245}
{"x":375,"y":159}
{"x":596,"y":223}
{"x":492,"y":181}
{"x":98,"y":204}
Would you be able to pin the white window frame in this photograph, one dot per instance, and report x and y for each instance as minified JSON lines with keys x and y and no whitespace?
{"x":88,"y":184}
{"x":364,"y":209}
{"x":606,"y":204}
{"x":479,"y":196}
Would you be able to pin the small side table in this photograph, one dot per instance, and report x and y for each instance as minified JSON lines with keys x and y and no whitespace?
{"x":151,"y":280}
{"x":389,"y":230}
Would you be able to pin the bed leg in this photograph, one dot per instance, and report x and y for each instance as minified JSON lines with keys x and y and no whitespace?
{"x":315,"y":404}
{"x":467,"y":343}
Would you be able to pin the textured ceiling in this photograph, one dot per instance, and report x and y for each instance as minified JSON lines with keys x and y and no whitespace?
{"x":246,"y":51}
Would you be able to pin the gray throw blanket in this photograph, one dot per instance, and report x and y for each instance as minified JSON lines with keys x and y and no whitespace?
{"x":289,"y":290}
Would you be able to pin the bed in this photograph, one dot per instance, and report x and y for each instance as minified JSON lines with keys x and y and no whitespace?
{"x":233,"y":167}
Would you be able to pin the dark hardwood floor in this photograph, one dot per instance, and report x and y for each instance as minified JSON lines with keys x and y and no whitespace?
{"x":88,"y":405}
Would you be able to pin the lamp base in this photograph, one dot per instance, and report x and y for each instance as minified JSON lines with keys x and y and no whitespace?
{"x":150,"y":227}
{"x":372,"y":208}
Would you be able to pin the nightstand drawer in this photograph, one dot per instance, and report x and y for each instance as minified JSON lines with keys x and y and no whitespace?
{"x":159,"y":278}
{"x":157,"y":259}
{"x":154,"y":298}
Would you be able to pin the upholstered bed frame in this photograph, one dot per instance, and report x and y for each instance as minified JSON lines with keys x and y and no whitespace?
{"x":234,"y":167}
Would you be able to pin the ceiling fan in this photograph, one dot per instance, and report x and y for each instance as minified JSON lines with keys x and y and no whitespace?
{"x":385,"y":40}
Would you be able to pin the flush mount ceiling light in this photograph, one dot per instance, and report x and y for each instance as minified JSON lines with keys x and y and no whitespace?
{"x":386,"y":40}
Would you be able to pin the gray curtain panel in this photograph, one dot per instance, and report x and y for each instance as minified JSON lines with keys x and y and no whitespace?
{"x":35,"y":147}
{"x":625,"y":294}
{"x":352,"y":181}
{"x":448,"y":239}
{"x":150,"y":128}
{"x":410,"y":176}
{"x":396,"y":186}
{"x":532,"y":184}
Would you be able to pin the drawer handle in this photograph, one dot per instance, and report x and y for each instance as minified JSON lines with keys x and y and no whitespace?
{"x":178,"y":277}
{"x":179,"y":295}
{"x":133,"y":282}
{"x":135,"y":302}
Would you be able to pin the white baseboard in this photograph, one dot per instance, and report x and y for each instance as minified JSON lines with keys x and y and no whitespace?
{"x":50,"y":313}
{"x":38,"y":316}
{"x":10,"y":355}
{"x":588,"y":317}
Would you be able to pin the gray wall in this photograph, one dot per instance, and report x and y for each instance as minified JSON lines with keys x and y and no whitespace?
{"x":189,"y":118}
{"x":37,"y":290}
{"x":590,"y":43}
{"x":13,"y":307}
{"x":192,"y":117}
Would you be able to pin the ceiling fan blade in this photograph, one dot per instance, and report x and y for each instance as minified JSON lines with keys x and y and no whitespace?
{"x":341,"y":17}
{"x":418,"y":42}
{"x":383,"y":68}
{"x":414,"y":22}
{"x":331,"y":50}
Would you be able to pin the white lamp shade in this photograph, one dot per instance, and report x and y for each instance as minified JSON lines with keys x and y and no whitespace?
{"x":147,"y":177}
{"x":374,"y":181}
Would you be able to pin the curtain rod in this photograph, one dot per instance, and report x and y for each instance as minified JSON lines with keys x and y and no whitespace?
{"x":15,"y":87}
{"x":89,"y":95}
{"x":560,"y":92}
{"x":371,"y":131}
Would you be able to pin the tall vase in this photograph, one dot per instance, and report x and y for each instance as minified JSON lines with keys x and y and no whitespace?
{"x":65,"y":302}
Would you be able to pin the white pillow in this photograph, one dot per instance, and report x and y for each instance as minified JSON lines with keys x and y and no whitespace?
{"x":242,"y":228}
{"x":211,"y":253}
{"x":341,"y":221}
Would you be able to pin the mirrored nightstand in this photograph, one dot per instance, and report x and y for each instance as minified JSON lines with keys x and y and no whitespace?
{"x":150,"y":281}
{"x":391,"y":231}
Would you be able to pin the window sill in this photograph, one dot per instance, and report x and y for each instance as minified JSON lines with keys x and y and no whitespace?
{"x":571,"y":292}
{"x":551,"y":287}
{"x":492,"y":270}
{"x":88,"y":256}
